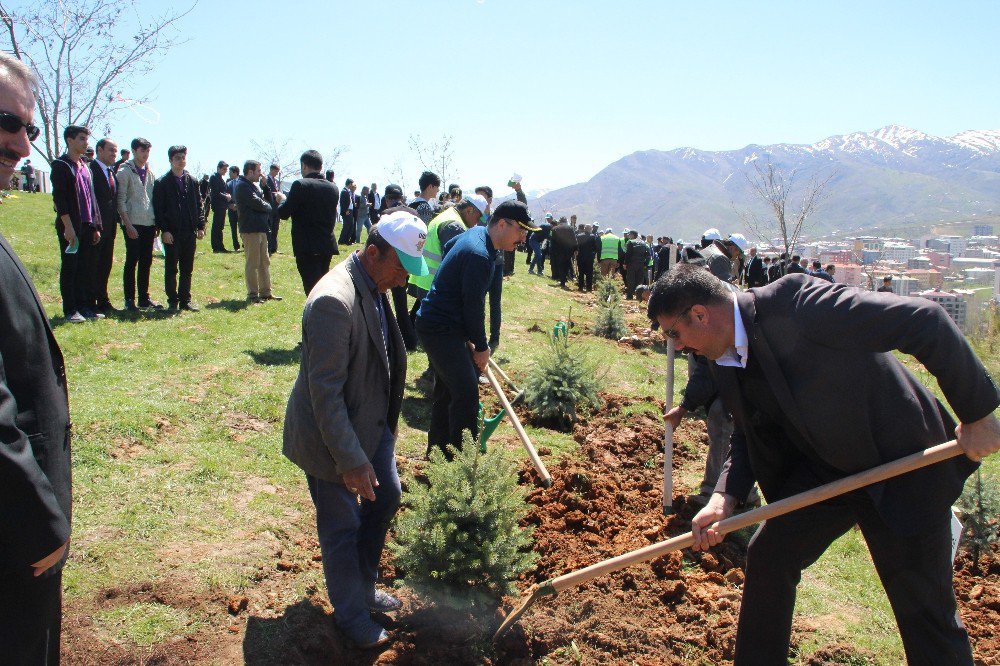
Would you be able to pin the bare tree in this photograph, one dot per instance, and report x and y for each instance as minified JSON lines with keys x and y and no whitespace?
{"x":436,"y":157}
{"x":786,"y":220}
{"x":331,"y":158}
{"x":396,"y":175}
{"x":271,"y":152}
{"x":85,"y":53}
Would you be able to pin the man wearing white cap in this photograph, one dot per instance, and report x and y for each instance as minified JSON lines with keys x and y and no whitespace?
{"x":515,"y":184}
{"x":340,"y":423}
{"x":736,"y":247}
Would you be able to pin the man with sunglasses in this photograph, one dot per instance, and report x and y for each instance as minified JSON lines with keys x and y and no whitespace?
{"x":78,"y":227}
{"x":806,"y":368}
{"x":34,"y":426}
{"x":451,"y":322}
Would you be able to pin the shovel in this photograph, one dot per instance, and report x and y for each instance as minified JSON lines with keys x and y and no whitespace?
{"x":668,"y":437}
{"x":930,"y":456}
{"x":516,"y":422}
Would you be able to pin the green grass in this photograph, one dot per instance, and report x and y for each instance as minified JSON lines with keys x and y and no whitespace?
{"x":178,"y":472}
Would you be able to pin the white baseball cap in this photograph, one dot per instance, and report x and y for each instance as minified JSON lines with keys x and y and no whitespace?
{"x":406,"y":233}
{"x":712,"y":234}
{"x":740,"y":241}
{"x":478,"y":201}
{"x":516,"y":178}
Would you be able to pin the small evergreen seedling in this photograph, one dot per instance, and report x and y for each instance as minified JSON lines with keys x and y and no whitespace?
{"x":460,"y":542}
{"x":610,"y":320}
{"x":980,"y":507}
{"x":561,"y":381}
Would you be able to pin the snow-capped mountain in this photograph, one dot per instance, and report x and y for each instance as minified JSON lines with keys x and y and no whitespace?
{"x":892,"y":177}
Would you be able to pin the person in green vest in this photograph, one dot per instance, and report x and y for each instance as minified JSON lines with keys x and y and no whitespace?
{"x":442,"y":228}
{"x":610,"y":247}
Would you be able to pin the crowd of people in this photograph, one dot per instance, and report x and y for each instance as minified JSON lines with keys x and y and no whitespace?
{"x":797,"y":374}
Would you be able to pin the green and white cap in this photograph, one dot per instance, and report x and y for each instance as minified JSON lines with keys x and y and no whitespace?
{"x":407,"y":234}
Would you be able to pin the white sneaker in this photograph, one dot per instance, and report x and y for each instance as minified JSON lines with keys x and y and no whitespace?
{"x":76,"y":318}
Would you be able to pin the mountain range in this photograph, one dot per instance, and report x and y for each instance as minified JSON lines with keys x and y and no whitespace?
{"x":885,"y":181}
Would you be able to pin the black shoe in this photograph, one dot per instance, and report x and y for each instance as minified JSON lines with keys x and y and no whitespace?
{"x":172,"y":307}
{"x":150,"y":304}
{"x":222,"y":251}
{"x":190,"y":307}
{"x":130,"y":306}
{"x":91,"y":314}
{"x":272,"y":297}
{"x":106,"y":308}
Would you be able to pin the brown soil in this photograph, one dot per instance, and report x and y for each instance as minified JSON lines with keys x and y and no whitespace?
{"x":978,"y":590}
{"x":679,"y":609}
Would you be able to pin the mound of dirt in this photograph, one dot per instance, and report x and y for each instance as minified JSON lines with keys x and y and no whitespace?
{"x":978,"y":591}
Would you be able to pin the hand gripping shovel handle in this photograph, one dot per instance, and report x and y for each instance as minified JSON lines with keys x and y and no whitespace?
{"x":516,"y":422}
{"x":930,"y":456}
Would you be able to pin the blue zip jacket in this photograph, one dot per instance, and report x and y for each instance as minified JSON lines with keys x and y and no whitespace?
{"x":456,"y":303}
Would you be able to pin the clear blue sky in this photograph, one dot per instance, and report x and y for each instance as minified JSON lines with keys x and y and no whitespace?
{"x":556,"y":90}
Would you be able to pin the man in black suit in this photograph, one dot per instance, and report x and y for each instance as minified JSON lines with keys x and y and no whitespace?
{"x":220,"y":198}
{"x":35,"y":464}
{"x":755,"y":275}
{"x":796,"y":266}
{"x":181,"y":222}
{"x":374,"y":203}
{"x":347,"y":213}
{"x":234,"y":215}
{"x":273,"y":196}
{"x":806,"y":368}
{"x":312,"y":205}
{"x":106,"y":191}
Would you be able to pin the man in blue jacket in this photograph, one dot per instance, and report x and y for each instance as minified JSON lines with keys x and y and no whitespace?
{"x":451,"y":322}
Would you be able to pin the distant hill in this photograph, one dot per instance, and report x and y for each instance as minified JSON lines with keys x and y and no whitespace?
{"x":890,"y":179}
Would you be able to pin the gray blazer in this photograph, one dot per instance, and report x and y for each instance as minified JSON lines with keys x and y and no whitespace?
{"x":347,"y":390}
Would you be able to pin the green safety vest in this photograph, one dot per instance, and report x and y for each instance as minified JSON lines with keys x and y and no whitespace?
{"x":433,"y":252}
{"x":609,"y":247}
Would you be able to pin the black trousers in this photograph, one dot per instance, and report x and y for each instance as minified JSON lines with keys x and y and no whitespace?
{"x":403,"y":318}
{"x":103,"y":263}
{"x":272,"y":235}
{"x":916,"y":572}
{"x":218,"y":227}
{"x":179,"y":257}
{"x":347,"y":230}
{"x":585,"y":273}
{"x":77,"y":272}
{"x":560,"y":265}
{"x":312,"y":267}
{"x":138,"y":260}
{"x":234,"y":228}
{"x":634,"y":276}
{"x":30,"y":618}
{"x":508,"y":261}
{"x":456,"y":390}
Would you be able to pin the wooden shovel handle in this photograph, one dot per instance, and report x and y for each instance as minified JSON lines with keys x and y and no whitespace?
{"x":499,"y":371}
{"x":930,"y":456}
{"x":516,"y":422}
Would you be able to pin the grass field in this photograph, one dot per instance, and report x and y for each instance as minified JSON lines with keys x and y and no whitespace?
{"x":178,"y":472}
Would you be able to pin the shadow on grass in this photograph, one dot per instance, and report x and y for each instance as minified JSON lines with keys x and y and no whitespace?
{"x":273,"y":356}
{"x":232,"y":305}
{"x":303,"y":635}
{"x":416,"y":411}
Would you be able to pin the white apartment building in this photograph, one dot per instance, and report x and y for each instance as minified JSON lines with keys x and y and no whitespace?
{"x":953,"y":302}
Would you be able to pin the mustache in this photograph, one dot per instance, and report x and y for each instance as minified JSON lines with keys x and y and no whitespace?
{"x":9,"y":155}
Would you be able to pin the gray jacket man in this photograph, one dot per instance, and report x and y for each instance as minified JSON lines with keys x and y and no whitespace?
{"x":340,"y":424}
{"x":348,"y":389}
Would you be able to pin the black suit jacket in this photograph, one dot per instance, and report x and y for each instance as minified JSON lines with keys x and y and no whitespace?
{"x":826,"y":351}
{"x":217,"y":187}
{"x":312,"y":205}
{"x":176,"y":211}
{"x":346,"y":197}
{"x":107,"y":202}
{"x":35,"y":473}
{"x":755,"y":274}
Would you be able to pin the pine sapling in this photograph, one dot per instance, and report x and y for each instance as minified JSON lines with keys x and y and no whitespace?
{"x":562,"y":380}
{"x":460,"y":541}
{"x":980,"y":508}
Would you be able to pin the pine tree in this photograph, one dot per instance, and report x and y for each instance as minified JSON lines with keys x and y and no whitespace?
{"x":561,"y":380}
{"x":610,"y":320}
{"x":980,"y":509}
{"x":460,"y":542}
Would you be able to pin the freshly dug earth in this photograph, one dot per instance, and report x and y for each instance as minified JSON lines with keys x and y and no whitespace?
{"x":679,"y":609}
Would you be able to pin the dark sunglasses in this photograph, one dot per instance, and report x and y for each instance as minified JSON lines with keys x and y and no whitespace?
{"x":11,"y":123}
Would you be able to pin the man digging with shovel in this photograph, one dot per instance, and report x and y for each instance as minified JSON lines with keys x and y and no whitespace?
{"x":806,"y":369}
